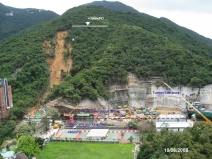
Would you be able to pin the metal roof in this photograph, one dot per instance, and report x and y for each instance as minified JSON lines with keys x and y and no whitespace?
{"x":98,"y":133}
{"x":83,"y":114}
{"x":173,"y":124}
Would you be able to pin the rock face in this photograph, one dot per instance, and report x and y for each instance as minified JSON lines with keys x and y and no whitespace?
{"x":140,"y":93}
{"x":202,"y":95}
{"x":205,"y":96}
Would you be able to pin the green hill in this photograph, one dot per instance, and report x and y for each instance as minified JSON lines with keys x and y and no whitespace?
{"x":101,"y":56}
{"x":13,"y":20}
{"x":201,"y":38}
{"x":118,"y":6}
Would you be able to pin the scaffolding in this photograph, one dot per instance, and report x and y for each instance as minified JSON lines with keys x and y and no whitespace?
{"x":118,"y":88}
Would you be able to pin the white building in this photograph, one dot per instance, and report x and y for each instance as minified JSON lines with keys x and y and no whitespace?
{"x":97,"y":134}
{"x":175,"y":126}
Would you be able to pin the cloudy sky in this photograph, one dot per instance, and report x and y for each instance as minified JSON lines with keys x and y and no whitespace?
{"x":193,"y":14}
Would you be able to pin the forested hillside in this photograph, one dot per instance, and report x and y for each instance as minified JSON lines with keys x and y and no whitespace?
{"x":131,"y":43}
{"x":193,"y":143}
{"x":13,"y":20}
{"x":118,"y":6}
{"x":101,"y":56}
{"x":188,"y":31}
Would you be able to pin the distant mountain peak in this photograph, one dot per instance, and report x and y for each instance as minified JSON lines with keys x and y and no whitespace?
{"x":14,"y":20}
{"x":119,"y":6}
{"x":114,"y":5}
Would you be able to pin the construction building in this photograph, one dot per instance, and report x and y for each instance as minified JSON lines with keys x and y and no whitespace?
{"x":5,"y":98}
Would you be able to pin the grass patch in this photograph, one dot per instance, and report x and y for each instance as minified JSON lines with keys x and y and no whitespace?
{"x":67,"y":150}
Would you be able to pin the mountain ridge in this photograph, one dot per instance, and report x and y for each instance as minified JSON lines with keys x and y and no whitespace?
{"x":101,"y":56}
{"x":190,"y":32}
{"x":14,"y":20}
{"x":118,"y":6}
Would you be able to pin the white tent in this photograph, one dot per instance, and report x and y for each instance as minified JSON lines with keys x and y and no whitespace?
{"x":175,"y":126}
{"x":97,"y":133}
{"x":174,"y":116}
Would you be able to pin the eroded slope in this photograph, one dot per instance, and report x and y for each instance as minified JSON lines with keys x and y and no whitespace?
{"x":59,"y":65}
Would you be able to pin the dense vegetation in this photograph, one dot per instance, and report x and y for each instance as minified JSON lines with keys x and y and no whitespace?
{"x":101,"y":56}
{"x":28,"y":145}
{"x":6,"y":130}
{"x":21,"y":19}
{"x":118,"y":6}
{"x":104,"y":56}
{"x":198,"y":141}
{"x":188,"y":31}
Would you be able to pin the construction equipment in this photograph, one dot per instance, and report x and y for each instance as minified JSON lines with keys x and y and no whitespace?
{"x":201,"y":108}
{"x":144,"y":111}
{"x":71,"y":118}
{"x":128,"y":111}
{"x":190,"y":105}
{"x":138,"y":117}
{"x":55,"y":126}
{"x":77,"y":106}
{"x":122,"y":113}
{"x":125,"y":106}
{"x":198,"y":106}
{"x":117,"y":113}
{"x":138,"y":111}
{"x":155,"y":114}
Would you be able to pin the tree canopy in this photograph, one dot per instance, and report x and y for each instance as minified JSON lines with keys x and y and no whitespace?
{"x":21,"y":19}
{"x":197,"y":140}
{"x":6,"y":130}
{"x":28,"y":145}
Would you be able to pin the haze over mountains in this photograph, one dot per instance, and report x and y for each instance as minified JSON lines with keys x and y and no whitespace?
{"x":13,"y":20}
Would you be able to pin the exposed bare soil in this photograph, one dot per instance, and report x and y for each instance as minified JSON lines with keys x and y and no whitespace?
{"x":58,"y":63}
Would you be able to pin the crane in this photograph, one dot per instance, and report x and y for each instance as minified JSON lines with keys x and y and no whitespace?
{"x":204,"y":117}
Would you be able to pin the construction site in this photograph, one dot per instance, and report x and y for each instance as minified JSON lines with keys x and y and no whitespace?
{"x":134,"y":101}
